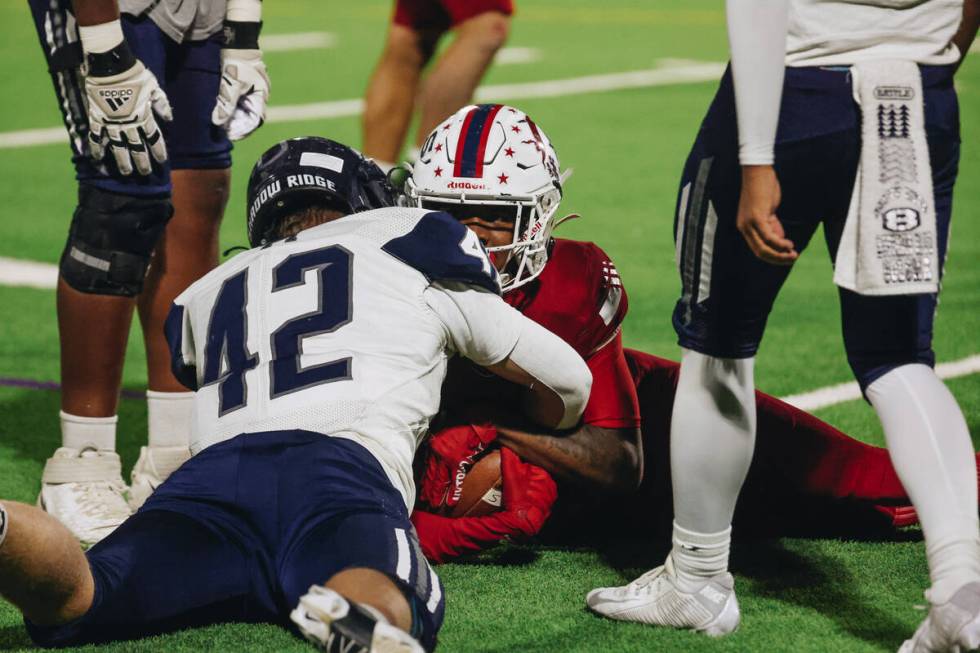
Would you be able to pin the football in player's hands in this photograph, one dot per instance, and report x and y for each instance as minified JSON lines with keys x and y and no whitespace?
{"x":481,"y":492}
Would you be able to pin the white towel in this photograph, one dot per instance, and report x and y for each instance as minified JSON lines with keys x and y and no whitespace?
{"x":889,"y":244}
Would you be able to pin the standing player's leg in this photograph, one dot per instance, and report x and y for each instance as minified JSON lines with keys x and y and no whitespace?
{"x":113,"y":231}
{"x":450,"y":84}
{"x":389,"y":101}
{"x":889,"y":346}
{"x":720,"y":318}
{"x":200,"y":158}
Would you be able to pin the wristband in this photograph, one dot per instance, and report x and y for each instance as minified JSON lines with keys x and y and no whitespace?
{"x":245,"y":11}
{"x":106,"y":64}
{"x":3,"y":523}
{"x":101,"y":38}
{"x":241,"y":35}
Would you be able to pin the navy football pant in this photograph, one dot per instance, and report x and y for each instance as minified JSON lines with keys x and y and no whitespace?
{"x":242,"y":530}
{"x":189,"y":73}
{"x":727,"y":292}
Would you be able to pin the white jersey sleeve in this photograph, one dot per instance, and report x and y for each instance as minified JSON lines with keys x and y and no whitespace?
{"x":479,"y":324}
{"x":757,"y":38}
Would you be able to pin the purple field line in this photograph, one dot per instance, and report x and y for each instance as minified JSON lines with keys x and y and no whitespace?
{"x":31,"y":384}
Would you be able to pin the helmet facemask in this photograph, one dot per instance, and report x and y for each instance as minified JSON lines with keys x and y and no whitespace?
{"x":527,"y":253}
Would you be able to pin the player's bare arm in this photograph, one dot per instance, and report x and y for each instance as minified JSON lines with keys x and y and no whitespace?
{"x":95,"y":12}
{"x":757,"y":220}
{"x":610,"y":460}
{"x":963,"y":39}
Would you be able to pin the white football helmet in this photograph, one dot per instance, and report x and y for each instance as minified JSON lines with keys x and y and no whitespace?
{"x":494,"y":155}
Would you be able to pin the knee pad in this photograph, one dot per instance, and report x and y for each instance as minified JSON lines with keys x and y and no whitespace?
{"x":111,"y":239}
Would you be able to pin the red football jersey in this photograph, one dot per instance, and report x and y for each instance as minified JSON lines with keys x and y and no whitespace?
{"x":580,"y":297}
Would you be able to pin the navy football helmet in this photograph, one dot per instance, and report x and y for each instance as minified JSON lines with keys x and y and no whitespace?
{"x":311,"y":171}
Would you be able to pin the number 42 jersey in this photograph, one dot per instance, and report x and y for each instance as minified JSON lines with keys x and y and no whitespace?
{"x":344,"y":330}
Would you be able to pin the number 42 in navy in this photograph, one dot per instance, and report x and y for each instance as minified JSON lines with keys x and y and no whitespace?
{"x":227,"y":359}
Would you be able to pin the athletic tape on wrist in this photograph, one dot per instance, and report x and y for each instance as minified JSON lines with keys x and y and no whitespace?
{"x":101,"y":38}
{"x":241,"y":35}
{"x":3,"y":523}
{"x":246,"y":11}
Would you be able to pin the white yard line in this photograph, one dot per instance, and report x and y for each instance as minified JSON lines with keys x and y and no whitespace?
{"x":666,"y":73}
{"x":297,"y":41}
{"x":517,"y":55}
{"x":836,"y":394}
{"x":18,"y":272}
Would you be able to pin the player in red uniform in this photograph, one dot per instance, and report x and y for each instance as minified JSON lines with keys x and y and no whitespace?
{"x":501,"y":179}
{"x":481,"y":28}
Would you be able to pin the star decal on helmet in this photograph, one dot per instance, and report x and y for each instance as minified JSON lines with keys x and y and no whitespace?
{"x":516,"y":129}
{"x":509,"y":152}
{"x":438,"y":147}
{"x":502,"y":178}
{"x":438,"y":172}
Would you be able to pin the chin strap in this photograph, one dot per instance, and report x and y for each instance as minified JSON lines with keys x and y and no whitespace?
{"x":561,"y":221}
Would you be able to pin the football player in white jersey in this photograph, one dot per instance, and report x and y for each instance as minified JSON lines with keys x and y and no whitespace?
{"x":844,"y":114}
{"x":317,"y":358}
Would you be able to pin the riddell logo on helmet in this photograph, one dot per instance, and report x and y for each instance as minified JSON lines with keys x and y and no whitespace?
{"x":465,"y":185}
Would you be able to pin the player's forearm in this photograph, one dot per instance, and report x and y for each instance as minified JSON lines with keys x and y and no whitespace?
{"x":967,"y":32}
{"x":609,"y":460}
{"x":95,"y":12}
{"x":757,"y":39}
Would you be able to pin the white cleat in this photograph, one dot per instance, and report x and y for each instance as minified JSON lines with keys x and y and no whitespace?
{"x":154,"y":466}
{"x":655,"y":599}
{"x":334,"y":624}
{"x":953,"y":627}
{"x":84,"y":490}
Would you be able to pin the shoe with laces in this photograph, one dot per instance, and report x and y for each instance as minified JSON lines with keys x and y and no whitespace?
{"x":84,"y":490}
{"x":153,"y":467}
{"x":951,"y":627}
{"x":333,"y":624}
{"x":656,"y":599}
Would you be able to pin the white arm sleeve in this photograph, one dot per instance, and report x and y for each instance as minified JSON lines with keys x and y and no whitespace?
{"x":486,"y":330}
{"x":480,"y":325}
{"x":757,"y":38}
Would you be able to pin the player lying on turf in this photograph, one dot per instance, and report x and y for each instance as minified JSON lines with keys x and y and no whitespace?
{"x":317,"y":358}
{"x":500,"y":178}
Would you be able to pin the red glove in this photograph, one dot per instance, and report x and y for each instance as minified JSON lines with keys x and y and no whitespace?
{"x":452,"y":451}
{"x":529,"y":492}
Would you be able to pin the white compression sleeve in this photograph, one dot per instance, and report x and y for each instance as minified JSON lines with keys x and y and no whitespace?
{"x":712,"y":439}
{"x":757,"y":39}
{"x":486,"y":330}
{"x":551,"y":361}
{"x":930,"y":447}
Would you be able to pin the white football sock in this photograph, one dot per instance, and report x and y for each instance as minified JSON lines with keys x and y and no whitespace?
{"x":712,"y":438}
{"x":699,"y":556}
{"x":169,"y":416}
{"x":930,"y":447}
{"x":88,"y":432}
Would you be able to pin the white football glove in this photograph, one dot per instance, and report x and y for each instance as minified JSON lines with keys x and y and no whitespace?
{"x":243,"y":93}
{"x":120,"y":111}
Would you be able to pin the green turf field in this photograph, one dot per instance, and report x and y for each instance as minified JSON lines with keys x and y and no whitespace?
{"x":627,"y":148}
